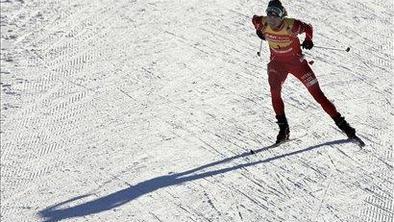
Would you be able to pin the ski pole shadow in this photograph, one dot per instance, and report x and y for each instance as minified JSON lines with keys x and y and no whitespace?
{"x":59,"y":212}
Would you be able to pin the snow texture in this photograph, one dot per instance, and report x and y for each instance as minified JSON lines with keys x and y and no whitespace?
{"x":131,"y":110}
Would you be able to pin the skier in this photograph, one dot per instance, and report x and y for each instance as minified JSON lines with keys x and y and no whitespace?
{"x":286,"y":57}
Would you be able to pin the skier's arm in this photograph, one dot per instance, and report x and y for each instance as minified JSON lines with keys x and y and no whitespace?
{"x":301,"y":27}
{"x":257,"y":22}
{"x":259,"y":26}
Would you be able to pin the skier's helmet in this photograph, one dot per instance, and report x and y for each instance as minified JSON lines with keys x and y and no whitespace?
{"x":275,"y":8}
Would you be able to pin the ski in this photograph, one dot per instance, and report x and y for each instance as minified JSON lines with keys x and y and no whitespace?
{"x":270,"y":146}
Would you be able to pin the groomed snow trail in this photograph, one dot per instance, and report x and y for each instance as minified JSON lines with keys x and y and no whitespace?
{"x":134,"y":110}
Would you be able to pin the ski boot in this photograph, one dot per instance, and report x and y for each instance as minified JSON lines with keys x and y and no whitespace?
{"x":345,"y":127}
{"x":348,"y":130}
{"x":284,"y":131}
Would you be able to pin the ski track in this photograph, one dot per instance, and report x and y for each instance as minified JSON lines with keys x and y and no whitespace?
{"x":102,"y":96}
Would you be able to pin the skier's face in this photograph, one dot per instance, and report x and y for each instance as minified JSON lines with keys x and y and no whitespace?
{"x":274,"y":20}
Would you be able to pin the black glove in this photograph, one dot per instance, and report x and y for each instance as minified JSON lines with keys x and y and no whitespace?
{"x":260,"y":35}
{"x":307,"y":44}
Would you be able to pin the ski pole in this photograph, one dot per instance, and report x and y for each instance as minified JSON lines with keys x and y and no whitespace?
{"x":261,"y":47}
{"x":332,"y":48}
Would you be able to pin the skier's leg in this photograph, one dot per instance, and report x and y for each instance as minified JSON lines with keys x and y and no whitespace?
{"x":276,"y":77}
{"x":308,"y":78}
{"x":319,"y":96}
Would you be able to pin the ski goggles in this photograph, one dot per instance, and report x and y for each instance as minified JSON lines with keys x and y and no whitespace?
{"x":274,"y":12}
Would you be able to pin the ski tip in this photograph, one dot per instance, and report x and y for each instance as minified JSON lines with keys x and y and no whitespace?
{"x":359,"y":141}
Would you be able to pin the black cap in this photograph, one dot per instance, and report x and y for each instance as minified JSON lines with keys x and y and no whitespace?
{"x":275,"y":6}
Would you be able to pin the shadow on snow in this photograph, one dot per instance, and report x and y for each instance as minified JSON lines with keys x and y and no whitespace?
{"x":116,"y":199}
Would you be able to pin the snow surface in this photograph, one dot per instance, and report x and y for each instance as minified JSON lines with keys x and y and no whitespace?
{"x":131,"y":110}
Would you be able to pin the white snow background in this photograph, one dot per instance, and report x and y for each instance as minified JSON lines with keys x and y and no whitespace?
{"x":132,"y":110}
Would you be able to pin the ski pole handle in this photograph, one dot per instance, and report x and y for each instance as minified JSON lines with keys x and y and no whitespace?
{"x":332,"y":48}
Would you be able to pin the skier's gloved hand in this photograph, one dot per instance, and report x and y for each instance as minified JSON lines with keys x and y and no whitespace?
{"x":307,"y":44}
{"x":260,"y":35}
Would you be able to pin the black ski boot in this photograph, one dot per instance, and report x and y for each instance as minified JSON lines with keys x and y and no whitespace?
{"x":345,"y":127}
{"x":284,"y":131}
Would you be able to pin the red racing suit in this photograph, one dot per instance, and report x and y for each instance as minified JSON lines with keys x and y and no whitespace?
{"x":286,"y":57}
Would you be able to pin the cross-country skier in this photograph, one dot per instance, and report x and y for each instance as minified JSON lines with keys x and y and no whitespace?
{"x":286,"y":57}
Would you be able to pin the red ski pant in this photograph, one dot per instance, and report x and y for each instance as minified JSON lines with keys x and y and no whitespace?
{"x":299,"y":67}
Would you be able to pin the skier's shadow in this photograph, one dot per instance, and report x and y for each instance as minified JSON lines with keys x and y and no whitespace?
{"x":111,"y":201}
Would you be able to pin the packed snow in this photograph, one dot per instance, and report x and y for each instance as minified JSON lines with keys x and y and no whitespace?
{"x":131,"y":110}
